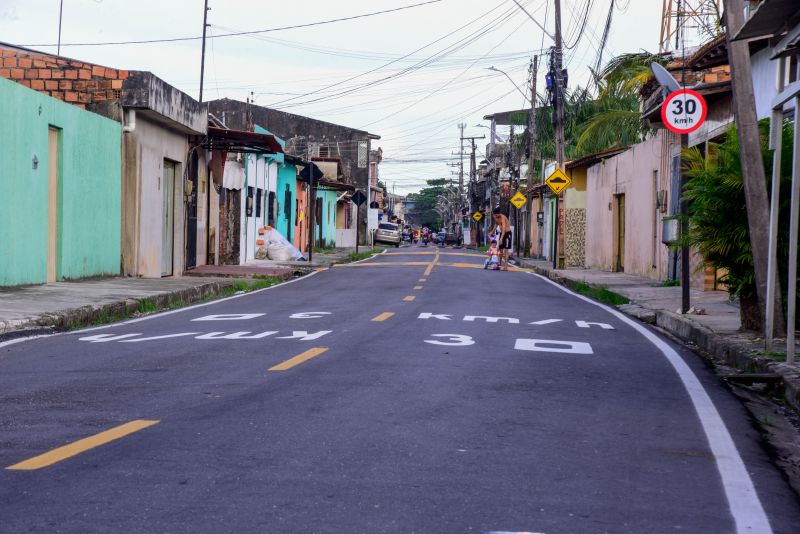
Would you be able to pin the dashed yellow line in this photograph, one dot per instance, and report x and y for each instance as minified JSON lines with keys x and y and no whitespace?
{"x":417,"y":287}
{"x":409,"y":298}
{"x":382,"y":317}
{"x":300,"y":358}
{"x":423,"y":279}
{"x":83,"y":445}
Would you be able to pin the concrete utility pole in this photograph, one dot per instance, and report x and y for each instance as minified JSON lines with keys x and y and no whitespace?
{"x":559,"y":112}
{"x":532,"y":122}
{"x":755,"y":188}
{"x":461,"y":160}
{"x":203,"y":53}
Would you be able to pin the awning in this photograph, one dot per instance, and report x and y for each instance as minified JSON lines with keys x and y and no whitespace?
{"x":239,"y":141}
{"x":591,"y":159}
{"x":769,"y":18}
{"x":331,"y":185}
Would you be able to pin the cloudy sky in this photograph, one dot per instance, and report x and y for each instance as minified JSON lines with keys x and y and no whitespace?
{"x":410,"y":76}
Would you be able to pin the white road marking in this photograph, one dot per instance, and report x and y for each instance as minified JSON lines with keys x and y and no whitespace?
{"x":584,"y":324}
{"x":236,"y":335}
{"x":308,"y":315}
{"x":156,"y":338}
{"x":302,"y":335}
{"x":201,"y":305}
{"x":23,"y":339}
{"x":745,"y":506}
{"x":230,"y":317}
{"x":440,"y":316}
{"x":105,"y":338}
{"x":546,"y":321}
{"x":473,"y":318}
{"x":456,"y":340}
{"x":546,"y":345}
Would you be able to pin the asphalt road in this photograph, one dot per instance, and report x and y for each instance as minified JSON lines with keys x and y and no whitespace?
{"x":414,"y":392}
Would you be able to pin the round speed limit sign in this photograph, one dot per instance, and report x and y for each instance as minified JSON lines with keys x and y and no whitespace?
{"x":684,"y":111}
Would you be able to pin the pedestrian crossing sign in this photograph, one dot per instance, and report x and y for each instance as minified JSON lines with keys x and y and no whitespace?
{"x":558,"y":181}
{"x":477,"y":216}
{"x":518,"y":200}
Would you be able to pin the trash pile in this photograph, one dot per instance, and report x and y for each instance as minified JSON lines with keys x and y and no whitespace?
{"x":272,"y":245}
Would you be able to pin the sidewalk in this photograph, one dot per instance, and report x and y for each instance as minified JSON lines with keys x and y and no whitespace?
{"x":30,"y":310}
{"x":715,"y":332}
{"x":62,"y":304}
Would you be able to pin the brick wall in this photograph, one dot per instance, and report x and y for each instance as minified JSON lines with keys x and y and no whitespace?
{"x":66,"y":79}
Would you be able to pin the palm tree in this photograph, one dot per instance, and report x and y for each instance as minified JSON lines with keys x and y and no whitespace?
{"x":718,"y":215}
{"x":615,"y":120}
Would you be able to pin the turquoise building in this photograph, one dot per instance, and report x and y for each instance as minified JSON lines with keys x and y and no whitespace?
{"x":60,"y":211}
{"x":285,"y":191}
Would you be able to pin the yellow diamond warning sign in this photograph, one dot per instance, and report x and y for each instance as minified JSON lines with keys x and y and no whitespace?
{"x":518,"y":200}
{"x":558,"y":181}
{"x":477,"y":216}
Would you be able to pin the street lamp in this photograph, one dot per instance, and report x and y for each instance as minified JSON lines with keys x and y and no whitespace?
{"x":504,"y":73}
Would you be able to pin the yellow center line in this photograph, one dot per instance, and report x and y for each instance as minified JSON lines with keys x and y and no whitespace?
{"x":409,"y":298}
{"x":382,"y":317}
{"x":83,"y":445}
{"x":423,"y":279}
{"x":300,"y":358}
{"x":432,"y":264}
{"x":417,"y":287}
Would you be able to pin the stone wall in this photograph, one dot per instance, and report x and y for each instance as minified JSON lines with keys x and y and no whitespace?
{"x":575,"y":242}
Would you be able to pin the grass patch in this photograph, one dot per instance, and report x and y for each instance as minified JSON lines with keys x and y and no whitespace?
{"x":774,"y":355}
{"x":670,"y":283}
{"x":362,"y":255}
{"x":600,"y":293}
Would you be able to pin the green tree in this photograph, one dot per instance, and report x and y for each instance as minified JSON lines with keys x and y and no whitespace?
{"x":424,"y":212}
{"x":718,"y":215}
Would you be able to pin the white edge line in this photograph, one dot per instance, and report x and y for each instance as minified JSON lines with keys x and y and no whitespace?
{"x":745,"y":506}
{"x":21,"y":339}
{"x":193,"y":307}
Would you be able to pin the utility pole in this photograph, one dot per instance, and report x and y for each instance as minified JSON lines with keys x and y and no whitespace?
{"x":203,"y":53}
{"x":559,"y":114}
{"x":755,"y":188}
{"x":531,"y":155}
{"x":461,"y":168}
{"x":532,"y":122}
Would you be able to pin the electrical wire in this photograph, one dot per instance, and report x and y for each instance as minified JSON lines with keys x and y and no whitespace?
{"x":253,"y":32}
{"x":448,"y":50}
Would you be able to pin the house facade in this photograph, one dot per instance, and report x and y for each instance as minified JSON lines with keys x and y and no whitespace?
{"x":308,"y":139}
{"x":60,"y":210}
{"x":164,"y":181}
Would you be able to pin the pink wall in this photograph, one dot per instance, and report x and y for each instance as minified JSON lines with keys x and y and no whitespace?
{"x":637,"y":173}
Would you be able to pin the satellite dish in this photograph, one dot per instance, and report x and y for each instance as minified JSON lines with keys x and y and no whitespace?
{"x":664,"y":77}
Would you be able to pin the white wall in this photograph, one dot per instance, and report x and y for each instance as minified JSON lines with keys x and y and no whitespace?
{"x":146,"y":148}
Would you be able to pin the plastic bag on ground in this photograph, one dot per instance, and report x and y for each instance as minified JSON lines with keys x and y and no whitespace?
{"x":272,"y":238}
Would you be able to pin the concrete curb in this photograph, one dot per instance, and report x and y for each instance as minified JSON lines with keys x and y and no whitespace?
{"x":85,"y":315}
{"x":720,"y":348}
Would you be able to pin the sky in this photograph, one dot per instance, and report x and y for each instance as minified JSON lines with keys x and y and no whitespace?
{"x":410,"y":76}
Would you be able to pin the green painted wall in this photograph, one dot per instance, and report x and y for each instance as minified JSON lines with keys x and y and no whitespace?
{"x":287,"y":178}
{"x":326,"y":227}
{"x":89,"y":188}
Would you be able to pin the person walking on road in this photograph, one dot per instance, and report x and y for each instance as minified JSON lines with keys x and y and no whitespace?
{"x":502,"y":228}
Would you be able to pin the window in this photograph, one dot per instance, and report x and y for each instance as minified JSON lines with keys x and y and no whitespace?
{"x":324,"y":151}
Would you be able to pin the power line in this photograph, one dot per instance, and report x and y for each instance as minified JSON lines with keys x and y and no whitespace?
{"x":461,"y":44}
{"x":254,"y":32}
